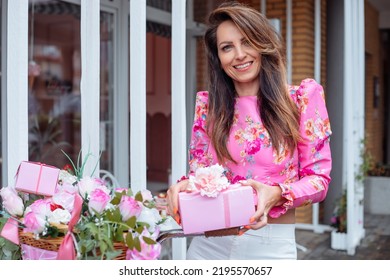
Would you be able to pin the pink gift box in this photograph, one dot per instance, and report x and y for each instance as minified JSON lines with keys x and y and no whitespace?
{"x":233,"y":207}
{"x":33,"y":253}
{"x":36,"y":178}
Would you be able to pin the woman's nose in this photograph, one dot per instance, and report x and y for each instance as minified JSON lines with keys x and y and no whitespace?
{"x":240,"y":53}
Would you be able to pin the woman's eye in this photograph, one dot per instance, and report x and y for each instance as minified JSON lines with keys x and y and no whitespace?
{"x":226,"y":48}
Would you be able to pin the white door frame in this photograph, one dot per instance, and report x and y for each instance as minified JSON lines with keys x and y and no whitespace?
{"x":14,"y":104}
{"x":119,"y":9}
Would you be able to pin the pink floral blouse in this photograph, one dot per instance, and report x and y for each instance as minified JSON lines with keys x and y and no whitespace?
{"x":303,"y":176}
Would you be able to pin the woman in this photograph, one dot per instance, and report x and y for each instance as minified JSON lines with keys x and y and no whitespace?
{"x":266,"y":134}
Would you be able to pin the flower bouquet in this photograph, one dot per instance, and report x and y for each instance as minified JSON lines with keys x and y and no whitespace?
{"x":85,"y":218}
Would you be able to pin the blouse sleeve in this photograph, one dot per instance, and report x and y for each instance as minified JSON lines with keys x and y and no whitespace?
{"x":314,"y":153}
{"x":199,"y":155}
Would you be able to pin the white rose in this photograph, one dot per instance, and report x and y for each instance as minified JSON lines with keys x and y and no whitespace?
{"x":59,"y":216}
{"x":88,"y":184}
{"x":65,"y":199}
{"x":150,"y":216}
{"x":66,"y":177}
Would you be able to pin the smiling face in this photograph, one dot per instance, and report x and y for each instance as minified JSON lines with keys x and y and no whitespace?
{"x":238,"y":58}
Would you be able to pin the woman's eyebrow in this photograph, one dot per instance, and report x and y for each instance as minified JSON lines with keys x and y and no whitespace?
{"x":225,"y":42}
{"x":230,"y":42}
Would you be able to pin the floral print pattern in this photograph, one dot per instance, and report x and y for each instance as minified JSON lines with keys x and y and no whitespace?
{"x":303,"y":174}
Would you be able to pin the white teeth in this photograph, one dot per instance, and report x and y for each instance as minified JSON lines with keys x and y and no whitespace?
{"x":243,"y":65}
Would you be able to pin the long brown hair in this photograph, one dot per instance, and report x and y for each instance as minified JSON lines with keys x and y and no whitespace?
{"x":278,"y":112}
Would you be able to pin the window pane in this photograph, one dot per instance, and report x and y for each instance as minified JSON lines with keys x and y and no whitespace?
{"x":106,"y":90}
{"x":158,"y":119}
{"x":54,"y":82}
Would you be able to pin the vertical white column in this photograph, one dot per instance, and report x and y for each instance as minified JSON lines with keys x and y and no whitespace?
{"x":14,"y":90}
{"x":138,"y":94}
{"x":90,"y":83}
{"x":360,"y":109}
{"x":353,"y":119}
{"x":348,"y":158}
{"x":317,"y":77}
{"x":179,"y":143}
{"x":289,"y":40}
{"x":121,"y":99}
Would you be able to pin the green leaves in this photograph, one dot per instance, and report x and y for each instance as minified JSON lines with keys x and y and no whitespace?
{"x":130,"y":241}
{"x":117,"y":198}
{"x":80,"y":165}
{"x":53,"y":231}
{"x":133,"y":242}
{"x":138,"y":197}
{"x":137,"y":244}
{"x":8,"y":250}
{"x":113,"y":216}
{"x":148,"y":240}
{"x":131,"y":222}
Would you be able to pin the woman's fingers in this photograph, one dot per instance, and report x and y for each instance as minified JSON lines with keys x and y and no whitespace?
{"x":173,"y":198}
{"x":260,"y":217}
{"x":250,"y":182}
{"x":261,"y":221}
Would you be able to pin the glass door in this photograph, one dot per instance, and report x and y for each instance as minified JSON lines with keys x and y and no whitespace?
{"x":54,"y":74}
{"x":107,"y":49}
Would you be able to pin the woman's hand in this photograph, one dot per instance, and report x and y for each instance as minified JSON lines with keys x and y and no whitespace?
{"x":173,"y":198}
{"x":268,"y":197}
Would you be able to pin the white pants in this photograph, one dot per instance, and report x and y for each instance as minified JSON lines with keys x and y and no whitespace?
{"x":274,"y":241}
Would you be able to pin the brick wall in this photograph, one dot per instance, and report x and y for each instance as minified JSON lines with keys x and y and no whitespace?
{"x":374,"y":116}
{"x":302,"y":36}
{"x":302,"y":40}
{"x":277,"y":9}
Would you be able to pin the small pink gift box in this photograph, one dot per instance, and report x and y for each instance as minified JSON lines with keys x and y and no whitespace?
{"x":36,"y":178}
{"x":233,"y":207}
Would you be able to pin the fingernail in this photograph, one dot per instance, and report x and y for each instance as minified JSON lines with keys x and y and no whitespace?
{"x":241,"y":232}
{"x":175,"y":210}
{"x":247,"y":227}
{"x":177,"y":219}
{"x":251,"y":220}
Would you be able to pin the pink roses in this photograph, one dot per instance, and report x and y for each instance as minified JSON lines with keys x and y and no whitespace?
{"x":148,"y":251}
{"x":129,"y":207}
{"x":98,"y":201}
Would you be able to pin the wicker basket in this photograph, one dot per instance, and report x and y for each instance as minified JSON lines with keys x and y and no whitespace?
{"x":50,"y":244}
{"x":53,"y":244}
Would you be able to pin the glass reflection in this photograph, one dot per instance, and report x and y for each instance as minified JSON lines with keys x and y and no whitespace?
{"x":54,"y":74}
